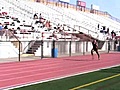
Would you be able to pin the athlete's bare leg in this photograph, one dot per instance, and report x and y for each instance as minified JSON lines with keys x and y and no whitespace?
{"x":92,"y":53}
{"x":98,"y":54}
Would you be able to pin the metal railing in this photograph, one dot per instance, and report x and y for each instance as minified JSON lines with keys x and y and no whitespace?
{"x":56,"y":49}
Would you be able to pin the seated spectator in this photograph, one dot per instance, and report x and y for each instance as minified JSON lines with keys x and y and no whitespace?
{"x":18,"y":30}
{"x":6,"y":27}
{"x":47,"y":25}
{"x":61,"y":29}
{"x":40,"y":20}
{"x":40,"y":16}
{"x":32,"y":29}
{"x":35,"y":16}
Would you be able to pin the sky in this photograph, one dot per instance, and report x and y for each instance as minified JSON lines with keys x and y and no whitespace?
{"x":110,"y":6}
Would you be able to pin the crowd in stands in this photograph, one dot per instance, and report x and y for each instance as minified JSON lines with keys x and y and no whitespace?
{"x":39,"y":22}
{"x":111,"y":34}
{"x":38,"y":25}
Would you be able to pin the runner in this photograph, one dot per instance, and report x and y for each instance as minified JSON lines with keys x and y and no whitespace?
{"x":95,"y":48}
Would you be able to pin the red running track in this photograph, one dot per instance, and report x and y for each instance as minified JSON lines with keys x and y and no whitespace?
{"x":26,"y":72}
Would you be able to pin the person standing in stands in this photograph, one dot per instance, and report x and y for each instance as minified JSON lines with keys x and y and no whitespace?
{"x":113,"y":34}
{"x":1,"y":26}
{"x":95,"y":48}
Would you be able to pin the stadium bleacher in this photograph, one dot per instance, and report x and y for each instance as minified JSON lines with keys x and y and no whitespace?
{"x":58,"y":23}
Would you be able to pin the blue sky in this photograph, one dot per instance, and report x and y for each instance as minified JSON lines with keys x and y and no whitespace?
{"x":111,"y":6}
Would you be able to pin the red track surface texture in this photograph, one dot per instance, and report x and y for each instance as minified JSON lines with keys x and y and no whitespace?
{"x":20,"y":73}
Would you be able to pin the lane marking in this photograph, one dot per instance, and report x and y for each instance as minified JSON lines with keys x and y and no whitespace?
{"x":51,"y":79}
{"x":95,"y":82}
{"x":2,"y":72}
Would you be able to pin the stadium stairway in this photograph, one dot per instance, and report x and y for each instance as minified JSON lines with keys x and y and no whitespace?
{"x":33,"y":47}
{"x":86,"y":37}
{"x":85,"y":21}
{"x":83,"y":36}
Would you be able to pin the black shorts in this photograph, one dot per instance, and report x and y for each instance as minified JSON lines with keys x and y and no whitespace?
{"x":95,"y":49}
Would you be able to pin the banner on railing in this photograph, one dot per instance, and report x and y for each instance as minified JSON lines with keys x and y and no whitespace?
{"x":95,"y":7}
{"x":81,"y":3}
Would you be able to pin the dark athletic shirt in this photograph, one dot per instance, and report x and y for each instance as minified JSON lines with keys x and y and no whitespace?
{"x":94,"y":45}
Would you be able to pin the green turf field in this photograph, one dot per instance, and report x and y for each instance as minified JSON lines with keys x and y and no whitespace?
{"x":106,"y":79}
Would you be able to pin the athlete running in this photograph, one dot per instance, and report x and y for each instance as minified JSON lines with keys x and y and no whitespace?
{"x":95,"y":48}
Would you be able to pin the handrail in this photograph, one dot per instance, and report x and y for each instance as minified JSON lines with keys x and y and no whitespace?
{"x":75,"y":20}
{"x":29,"y":44}
{"x":72,"y":19}
{"x":14,"y":35}
{"x":7,"y":33}
{"x":73,"y":5}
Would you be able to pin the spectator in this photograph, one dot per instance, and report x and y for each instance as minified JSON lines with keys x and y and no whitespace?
{"x":18,"y":30}
{"x":1,"y":27}
{"x":113,"y":34}
{"x":1,"y":30}
{"x":107,"y":31}
{"x":98,"y":26}
{"x":6,"y":27}
{"x":41,"y":19}
{"x":116,"y":43}
{"x":47,"y":25}
{"x":40,"y":16}
{"x":35,"y":16}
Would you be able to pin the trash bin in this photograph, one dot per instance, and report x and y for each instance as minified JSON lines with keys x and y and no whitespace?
{"x":118,"y":48}
{"x":54,"y":52}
